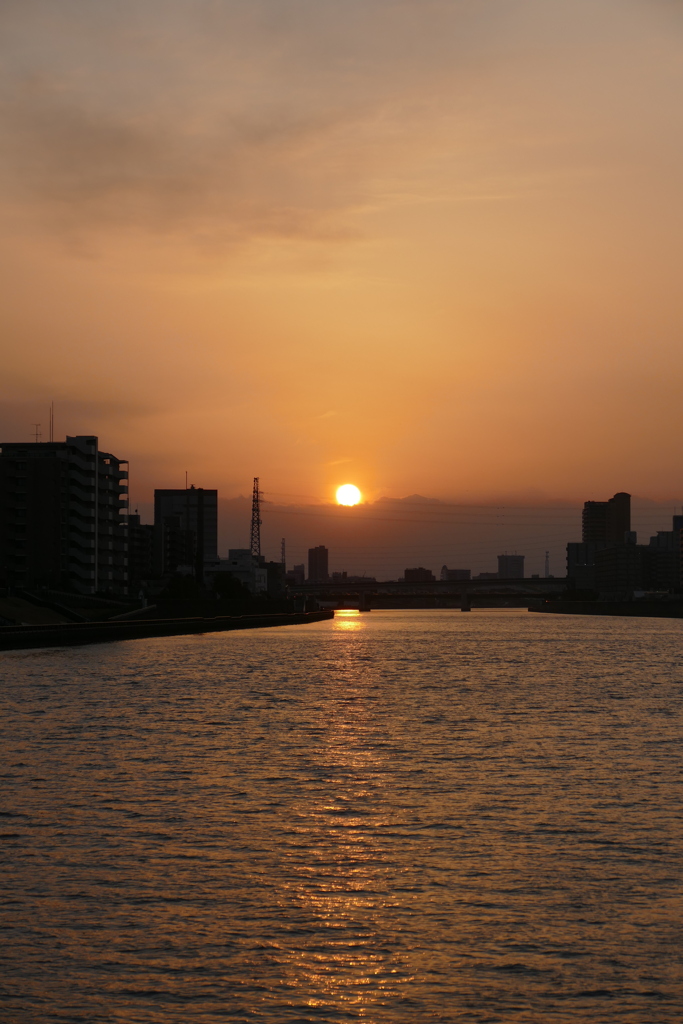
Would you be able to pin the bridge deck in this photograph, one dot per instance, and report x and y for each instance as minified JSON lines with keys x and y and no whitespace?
{"x":444,"y":588}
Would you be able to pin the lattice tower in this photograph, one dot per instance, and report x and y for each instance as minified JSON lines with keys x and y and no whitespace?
{"x":256,"y":520}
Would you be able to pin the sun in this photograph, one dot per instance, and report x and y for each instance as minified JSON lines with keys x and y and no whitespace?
{"x":348,"y":494}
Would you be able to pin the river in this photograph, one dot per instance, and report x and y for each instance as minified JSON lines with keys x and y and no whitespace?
{"x":401,"y":816}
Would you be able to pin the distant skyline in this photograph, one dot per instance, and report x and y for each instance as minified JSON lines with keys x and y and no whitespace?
{"x":383,"y":538}
{"x":425,"y":247}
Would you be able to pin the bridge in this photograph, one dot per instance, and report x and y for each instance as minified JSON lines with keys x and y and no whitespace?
{"x":436,"y":594}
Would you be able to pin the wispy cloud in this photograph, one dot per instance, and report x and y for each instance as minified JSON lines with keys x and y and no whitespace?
{"x":268,"y":118}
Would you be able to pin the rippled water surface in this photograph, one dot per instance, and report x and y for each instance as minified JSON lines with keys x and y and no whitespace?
{"x":395,"y":817}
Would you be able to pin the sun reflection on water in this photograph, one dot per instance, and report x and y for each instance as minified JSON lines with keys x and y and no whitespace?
{"x":348,"y":620}
{"x":339,"y":874}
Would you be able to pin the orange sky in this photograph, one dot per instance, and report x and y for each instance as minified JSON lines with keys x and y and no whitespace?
{"x":426,"y":246}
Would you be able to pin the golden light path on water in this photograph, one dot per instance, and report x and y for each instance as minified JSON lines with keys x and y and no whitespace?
{"x":342,"y":883}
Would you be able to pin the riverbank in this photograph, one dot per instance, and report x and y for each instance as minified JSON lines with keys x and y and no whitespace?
{"x":640,"y":609}
{"x":77,"y":633}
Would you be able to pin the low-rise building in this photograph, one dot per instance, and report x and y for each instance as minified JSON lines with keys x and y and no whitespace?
{"x":581,"y":563}
{"x":275,"y":580}
{"x":343,"y":577}
{"x":296,"y":575}
{"x":247,"y":568}
{"x":622,"y":568}
{"x":455,"y":574}
{"x":419,"y":575}
{"x":140,"y":552}
{"x":665,"y":557}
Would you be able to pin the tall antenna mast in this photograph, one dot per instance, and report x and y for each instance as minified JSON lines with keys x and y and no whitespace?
{"x":37,"y":432}
{"x":547,"y":564}
{"x":256,"y":521}
{"x":283,"y":556}
{"x":52,"y":421}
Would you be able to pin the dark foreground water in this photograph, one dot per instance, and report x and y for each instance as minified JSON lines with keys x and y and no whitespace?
{"x":396,"y":817}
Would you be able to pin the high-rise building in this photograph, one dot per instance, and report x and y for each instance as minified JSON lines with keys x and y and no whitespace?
{"x":607,"y":522}
{"x":318,"y":563}
{"x":185,"y":530}
{"x":61,"y":522}
{"x":619,"y":569}
{"x":604,"y":524}
{"x":510,"y":567}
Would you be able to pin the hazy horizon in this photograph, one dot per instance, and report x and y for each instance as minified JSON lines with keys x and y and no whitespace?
{"x":384,"y":537}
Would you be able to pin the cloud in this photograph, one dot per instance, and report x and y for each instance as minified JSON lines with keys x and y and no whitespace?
{"x":261,"y":174}
{"x":236,"y":119}
{"x":275,"y":118}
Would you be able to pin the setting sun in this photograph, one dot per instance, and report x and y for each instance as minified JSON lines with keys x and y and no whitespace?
{"x":348,"y":494}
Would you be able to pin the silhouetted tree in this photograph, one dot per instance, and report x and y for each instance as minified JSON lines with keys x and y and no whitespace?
{"x":228,"y":588}
{"x":181,"y":588}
